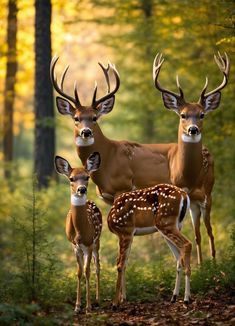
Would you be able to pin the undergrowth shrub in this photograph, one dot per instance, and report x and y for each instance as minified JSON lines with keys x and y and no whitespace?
{"x":31,"y":271}
{"x":216,"y":275}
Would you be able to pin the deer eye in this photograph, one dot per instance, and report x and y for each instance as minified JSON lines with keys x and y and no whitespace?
{"x":76,"y":119}
{"x":94,"y":119}
{"x":183,"y":116}
{"x":87,"y":178}
{"x":202,"y":115}
{"x":71,"y":179}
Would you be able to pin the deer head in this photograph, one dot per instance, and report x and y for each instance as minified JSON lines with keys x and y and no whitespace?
{"x":78,"y":177}
{"x":192,"y":114}
{"x":85,"y":117}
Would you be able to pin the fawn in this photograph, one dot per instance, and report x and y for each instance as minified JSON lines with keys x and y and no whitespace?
{"x":160,"y":208}
{"x":83,"y":223}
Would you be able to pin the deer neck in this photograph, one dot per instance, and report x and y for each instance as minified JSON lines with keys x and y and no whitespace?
{"x":189,"y":159}
{"x":81,"y":225}
{"x":100,"y":144}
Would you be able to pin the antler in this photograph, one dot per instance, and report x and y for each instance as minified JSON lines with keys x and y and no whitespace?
{"x":224,"y":66}
{"x":109,"y":94}
{"x":157,"y":63}
{"x":58,"y":88}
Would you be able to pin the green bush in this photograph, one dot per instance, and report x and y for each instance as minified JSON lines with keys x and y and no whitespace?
{"x":218,"y":275}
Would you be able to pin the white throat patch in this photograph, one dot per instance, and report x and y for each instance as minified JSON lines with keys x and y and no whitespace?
{"x":192,"y":138}
{"x":78,"y":200}
{"x":83,"y":141}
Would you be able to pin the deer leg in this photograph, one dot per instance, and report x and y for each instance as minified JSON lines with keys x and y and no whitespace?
{"x":87,"y":262}
{"x":123,"y":290}
{"x":97,"y":270}
{"x":206,"y":218}
{"x":124,"y":249}
{"x":79,"y":257}
{"x":176,"y":254}
{"x":182,"y":250}
{"x":195,"y":213}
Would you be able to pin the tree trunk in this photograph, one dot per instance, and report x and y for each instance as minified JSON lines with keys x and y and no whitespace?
{"x":44,"y":111}
{"x":147,"y":7}
{"x":9,"y":92}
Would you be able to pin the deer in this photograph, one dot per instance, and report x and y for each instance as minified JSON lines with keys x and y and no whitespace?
{"x":124,"y":165}
{"x":191,"y":166}
{"x":159,"y":208}
{"x":127,"y":165}
{"x":83,"y":224}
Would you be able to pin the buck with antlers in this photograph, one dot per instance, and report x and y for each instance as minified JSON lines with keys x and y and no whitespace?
{"x":124,"y":165}
{"x":160,"y":208}
{"x":128,"y":165}
{"x":191,"y":165}
{"x":83,"y":223}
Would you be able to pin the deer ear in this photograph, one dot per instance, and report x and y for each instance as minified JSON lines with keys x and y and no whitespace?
{"x":106,"y":106}
{"x":64,"y":107}
{"x":211,"y":102}
{"x":93,"y":162}
{"x":62,"y":166}
{"x":171,"y":102}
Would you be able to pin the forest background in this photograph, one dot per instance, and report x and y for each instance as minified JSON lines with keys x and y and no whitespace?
{"x":37,"y":265}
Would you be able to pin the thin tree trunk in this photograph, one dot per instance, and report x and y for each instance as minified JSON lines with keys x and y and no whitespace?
{"x":147,"y":6}
{"x":34,"y":257}
{"x":44,"y":111}
{"x":9,"y":93}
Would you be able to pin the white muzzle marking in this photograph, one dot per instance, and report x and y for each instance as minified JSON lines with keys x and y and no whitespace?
{"x":192,"y":138}
{"x":79,"y":141}
{"x":78,"y":200}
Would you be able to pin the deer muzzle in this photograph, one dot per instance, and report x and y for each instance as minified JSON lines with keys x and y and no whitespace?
{"x":193,"y":130}
{"x":86,"y":133}
{"x":81,"y":190}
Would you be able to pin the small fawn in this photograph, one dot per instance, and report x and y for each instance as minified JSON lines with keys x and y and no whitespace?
{"x":83,"y":223}
{"x":160,"y":208}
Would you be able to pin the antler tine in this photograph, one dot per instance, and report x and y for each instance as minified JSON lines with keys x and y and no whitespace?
{"x":204,"y":88}
{"x":76,"y":94}
{"x":105,"y":71}
{"x":109,"y":94}
{"x":224,"y":65}
{"x":227,"y":63}
{"x":52,"y":68}
{"x":179,"y":87}
{"x":117,"y":77}
{"x":157,"y":64}
{"x":54,"y":79}
{"x":63,"y":77}
{"x":94,"y":95}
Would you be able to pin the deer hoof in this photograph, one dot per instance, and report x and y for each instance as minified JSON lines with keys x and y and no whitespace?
{"x":187,"y":301}
{"x":88,"y":310}
{"x":77,"y":310}
{"x":173,"y":299}
{"x":114,"y":307}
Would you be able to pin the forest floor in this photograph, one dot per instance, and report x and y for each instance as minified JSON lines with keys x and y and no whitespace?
{"x":213,"y":309}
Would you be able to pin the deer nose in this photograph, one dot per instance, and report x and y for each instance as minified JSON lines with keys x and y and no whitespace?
{"x":81,"y":190}
{"x":86,"y":133}
{"x":193,"y":130}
